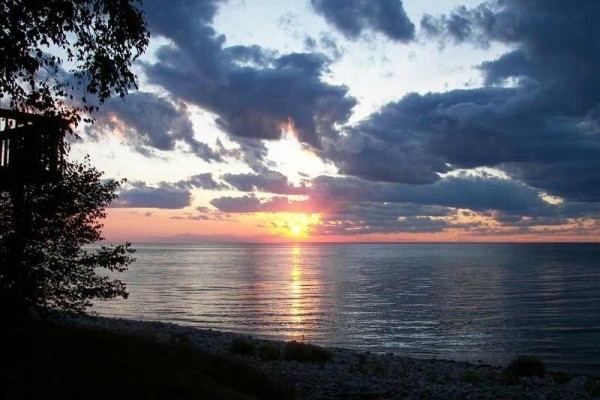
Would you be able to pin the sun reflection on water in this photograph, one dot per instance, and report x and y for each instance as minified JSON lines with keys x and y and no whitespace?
{"x":297,"y":306}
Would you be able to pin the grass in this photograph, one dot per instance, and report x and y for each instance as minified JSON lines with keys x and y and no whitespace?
{"x":47,"y":361}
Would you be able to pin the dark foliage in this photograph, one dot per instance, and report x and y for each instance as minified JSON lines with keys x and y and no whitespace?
{"x":593,"y":385}
{"x":523,"y":367}
{"x":242,"y":347}
{"x":269,"y":351}
{"x":97,"y":41}
{"x":46,"y":257}
{"x":50,"y":361}
{"x":561,"y":378}
{"x":304,"y":352}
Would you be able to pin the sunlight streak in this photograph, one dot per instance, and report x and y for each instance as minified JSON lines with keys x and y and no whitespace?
{"x":297,"y":307}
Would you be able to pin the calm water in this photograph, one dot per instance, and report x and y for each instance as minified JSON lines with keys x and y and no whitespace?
{"x":472,"y":302}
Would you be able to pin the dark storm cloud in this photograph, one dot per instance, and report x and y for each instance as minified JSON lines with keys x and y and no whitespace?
{"x":138,"y":194}
{"x":536,"y":118}
{"x":254,"y":92}
{"x":149,"y":122}
{"x":353,"y":17}
{"x":267,"y":181}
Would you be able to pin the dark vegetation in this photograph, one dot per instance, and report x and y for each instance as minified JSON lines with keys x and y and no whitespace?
{"x":269,"y":351}
{"x":290,"y":351}
{"x":593,"y":386}
{"x":54,"y":268}
{"x":305,"y":352}
{"x":523,"y":367}
{"x":44,"y":226}
{"x":243,"y":347}
{"x":49,"y":361}
{"x":100,"y":39}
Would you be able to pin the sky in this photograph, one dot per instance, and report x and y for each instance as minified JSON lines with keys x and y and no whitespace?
{"x":357,"y":120}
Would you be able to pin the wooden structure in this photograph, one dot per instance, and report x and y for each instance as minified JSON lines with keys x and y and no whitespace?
{"x":31,"y":149}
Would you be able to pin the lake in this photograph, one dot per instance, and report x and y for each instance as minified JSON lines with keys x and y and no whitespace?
{"x":473,"y":302}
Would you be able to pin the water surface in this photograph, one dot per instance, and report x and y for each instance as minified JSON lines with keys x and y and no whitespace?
{"x":472,"y":302}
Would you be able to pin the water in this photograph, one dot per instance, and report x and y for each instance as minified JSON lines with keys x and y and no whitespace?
{"x":472,"y":302}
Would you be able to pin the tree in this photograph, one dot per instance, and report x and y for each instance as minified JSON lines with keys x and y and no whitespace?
{"x":59,"y":266}
{"x":66,"y":57}
{"x":63,"y":58}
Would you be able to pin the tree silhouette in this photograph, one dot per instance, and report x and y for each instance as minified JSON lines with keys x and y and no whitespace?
{"x":66,"y":57}
{"x":62,"y":59}
{"x":56,"y":269}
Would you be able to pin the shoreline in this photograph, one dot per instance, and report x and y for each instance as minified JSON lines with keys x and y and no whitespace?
{"x":355,"y":374}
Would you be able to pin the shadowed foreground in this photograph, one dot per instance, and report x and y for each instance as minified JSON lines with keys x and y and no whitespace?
{"x":49,"y":361}
{"x":102,"y":358}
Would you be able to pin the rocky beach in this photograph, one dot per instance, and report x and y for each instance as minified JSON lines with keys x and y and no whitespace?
{"x":335,"y":373}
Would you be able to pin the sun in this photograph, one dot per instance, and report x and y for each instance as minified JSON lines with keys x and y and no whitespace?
{"x":297,"y":230}
{"x":295,"y":226}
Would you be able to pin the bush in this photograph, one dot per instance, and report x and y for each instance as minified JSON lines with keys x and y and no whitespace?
{"x":303,"y":352}
{"x":471,"y":376}
{"x":561,"y":378}
{"x":593,"y":385}
{"x":379,"y":369}
{"x":269,"y":351}
{"x":523,"y":367}
{"x":243,"y":347}
{"x":362,"y":359}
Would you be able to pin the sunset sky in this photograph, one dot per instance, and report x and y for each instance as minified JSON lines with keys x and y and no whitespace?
{"x":357,"y":120}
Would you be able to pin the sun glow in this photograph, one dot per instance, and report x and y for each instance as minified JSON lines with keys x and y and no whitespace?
{"x":295,"y":225}
{"x":296,"y":230}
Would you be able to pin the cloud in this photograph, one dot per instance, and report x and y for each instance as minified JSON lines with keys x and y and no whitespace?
{"x":255,"y":93}
{"x":268,"y":181}
{"x":353,"y":218}
{"x":205,"y":214}
{"x":362,"y":205}
{"x":201,"y":181}
{"x":252,"y":204}
{"x":354,"y":17}
{"x":467,"y":192}
{"x":326,"y":44}
{"x":474,"y":25}
{"x":536,"y":118}
{"x":148,"y":122}
{"x":139,"y":195}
